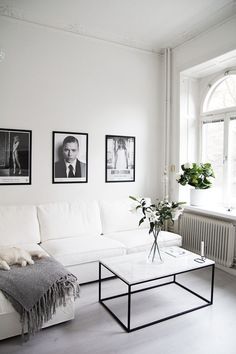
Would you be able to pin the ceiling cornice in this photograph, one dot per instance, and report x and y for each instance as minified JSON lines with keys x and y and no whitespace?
{"x":76,"y":29}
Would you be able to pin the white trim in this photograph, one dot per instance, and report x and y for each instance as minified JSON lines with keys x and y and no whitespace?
{"x":225,"y":160}
{"x":219,"y":111}
{"x":167,"y":107}
{"x":218,"y":212}
{"x":213,"y":117}
{"x":77,"y":32}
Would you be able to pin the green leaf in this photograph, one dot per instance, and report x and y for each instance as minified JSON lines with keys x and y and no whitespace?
{"x":141,"y":221}
{"x":197,"y":175}
{"x":133,"y":198}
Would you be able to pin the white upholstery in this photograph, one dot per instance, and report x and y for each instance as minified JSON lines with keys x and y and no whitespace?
{"x":87,"y":272}
{"x":116,"y":215}
{"x":70,"y":251}
{"x":66,"y":220}
{"x":141,"y":240}
{"x":18,"y":225}
{"x":31,"y":247}
{"x":10,"y":319}
{"x":71,"y":233}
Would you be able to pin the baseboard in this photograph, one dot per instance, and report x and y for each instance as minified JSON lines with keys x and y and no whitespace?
{"x":231,"y":270}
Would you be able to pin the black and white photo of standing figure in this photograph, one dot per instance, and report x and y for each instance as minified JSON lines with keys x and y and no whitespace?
{"x":15,"y":156}
{"x":120,"y":158}
{"x":70,"y":157}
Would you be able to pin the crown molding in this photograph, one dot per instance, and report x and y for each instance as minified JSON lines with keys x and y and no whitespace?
{"x":78,"y":29}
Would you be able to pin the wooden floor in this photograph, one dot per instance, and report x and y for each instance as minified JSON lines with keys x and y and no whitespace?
{"x":211,"y":330}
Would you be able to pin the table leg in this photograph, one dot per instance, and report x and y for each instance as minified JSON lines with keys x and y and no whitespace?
{"x":129,"y":307}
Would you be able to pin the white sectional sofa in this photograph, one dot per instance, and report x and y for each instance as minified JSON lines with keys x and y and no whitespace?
{"x":77,"y":234}
{"x":19,"y":227}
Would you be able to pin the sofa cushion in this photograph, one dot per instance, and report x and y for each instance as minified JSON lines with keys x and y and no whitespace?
{"x":18,"y":225}
{"x":76,"y":250}
{"x":119,"y":215}
{"x":66,"y":220}
{"x":140,"y":240}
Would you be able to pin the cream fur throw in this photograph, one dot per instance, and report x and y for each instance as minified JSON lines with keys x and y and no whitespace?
{"x":16,"y":255}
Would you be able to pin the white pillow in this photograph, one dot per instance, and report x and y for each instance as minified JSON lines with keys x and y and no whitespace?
{"x":64,"y":219}
{"x":117,"y":215}
{"x":18,"y":225}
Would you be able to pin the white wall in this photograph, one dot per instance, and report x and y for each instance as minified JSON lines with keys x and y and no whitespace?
{"x":189,"y":125}
{"x":209,"y":45}
{"x":53,"y":80}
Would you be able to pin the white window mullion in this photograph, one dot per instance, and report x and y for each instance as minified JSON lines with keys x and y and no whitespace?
{"x":226,"y":194}
{"x":231,"y":161}
{"x":200,"y":147}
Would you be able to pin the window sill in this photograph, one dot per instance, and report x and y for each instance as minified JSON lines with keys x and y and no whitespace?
{"x":218,"y":212}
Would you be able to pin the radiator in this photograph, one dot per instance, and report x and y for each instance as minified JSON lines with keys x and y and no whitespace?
{"x":218,"y":237}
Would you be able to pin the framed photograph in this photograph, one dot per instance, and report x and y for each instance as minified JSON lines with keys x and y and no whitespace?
{"x":120,"y":158}
{"x":70,"y":157}
{"x":15,"y":156}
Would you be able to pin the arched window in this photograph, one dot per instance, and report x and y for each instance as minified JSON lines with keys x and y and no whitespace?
{"x":218,"y":132}
{"x":222,"y":94}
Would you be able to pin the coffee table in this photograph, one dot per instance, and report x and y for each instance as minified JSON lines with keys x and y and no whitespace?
{"x":134,"y":271}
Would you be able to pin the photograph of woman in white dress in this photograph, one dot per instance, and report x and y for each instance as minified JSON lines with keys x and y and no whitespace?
{"x":120,"y":158}
{"x":121,"y":155}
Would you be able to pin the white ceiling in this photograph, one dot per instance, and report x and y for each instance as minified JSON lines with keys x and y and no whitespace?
{"x":145,"y":24}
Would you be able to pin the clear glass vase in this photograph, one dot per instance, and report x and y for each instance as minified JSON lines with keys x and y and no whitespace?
{"x":154,"y":255}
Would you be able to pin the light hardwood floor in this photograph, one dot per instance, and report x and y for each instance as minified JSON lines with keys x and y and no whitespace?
{"x":211,"y":330}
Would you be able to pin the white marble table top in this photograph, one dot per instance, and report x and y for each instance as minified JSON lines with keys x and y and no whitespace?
{"x":133,"y":268}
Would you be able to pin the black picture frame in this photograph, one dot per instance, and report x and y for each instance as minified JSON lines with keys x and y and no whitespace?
{"x":119,"y":158}
{"x":15,"y":156}
{"x":60,"y":167}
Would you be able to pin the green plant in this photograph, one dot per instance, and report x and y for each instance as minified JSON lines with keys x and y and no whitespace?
{"x":196,"y":175}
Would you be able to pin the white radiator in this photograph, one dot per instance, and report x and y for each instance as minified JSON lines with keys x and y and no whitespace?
{"x":218,"y":237}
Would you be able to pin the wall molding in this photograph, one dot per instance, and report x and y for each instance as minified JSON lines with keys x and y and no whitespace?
{"x":77,"y":29}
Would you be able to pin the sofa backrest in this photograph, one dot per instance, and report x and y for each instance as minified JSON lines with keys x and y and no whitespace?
{"x":119,"y":215}
{"x":65,"y":220}
{"x":18,"y":225}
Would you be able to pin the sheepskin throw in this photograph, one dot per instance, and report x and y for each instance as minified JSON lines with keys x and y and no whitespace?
{"x":35,"y":291}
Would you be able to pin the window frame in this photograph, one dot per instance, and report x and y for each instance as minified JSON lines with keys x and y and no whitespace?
{"x":223,"y":114}
{"x":211,"y":87}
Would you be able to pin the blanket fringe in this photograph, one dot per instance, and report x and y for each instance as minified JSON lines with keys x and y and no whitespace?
{"x":45,"y":308}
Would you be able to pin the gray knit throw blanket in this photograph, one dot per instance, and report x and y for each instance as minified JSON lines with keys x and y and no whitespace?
{"x":35,"y":291}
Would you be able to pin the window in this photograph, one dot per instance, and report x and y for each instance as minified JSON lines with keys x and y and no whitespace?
{"x":221,"y":95}
{"x":218,"y":132}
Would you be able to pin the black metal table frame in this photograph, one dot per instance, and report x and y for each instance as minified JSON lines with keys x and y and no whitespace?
{"x":130,"y":292}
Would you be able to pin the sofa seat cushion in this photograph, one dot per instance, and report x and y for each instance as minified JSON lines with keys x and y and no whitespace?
{"x":18,"y":225}
{"x":140,"y":240}
{"x":76,"y":250}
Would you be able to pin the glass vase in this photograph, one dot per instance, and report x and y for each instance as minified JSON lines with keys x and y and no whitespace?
{"x":154,"y":255}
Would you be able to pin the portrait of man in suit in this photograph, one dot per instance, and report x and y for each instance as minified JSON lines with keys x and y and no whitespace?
{"x":69,"y":167}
